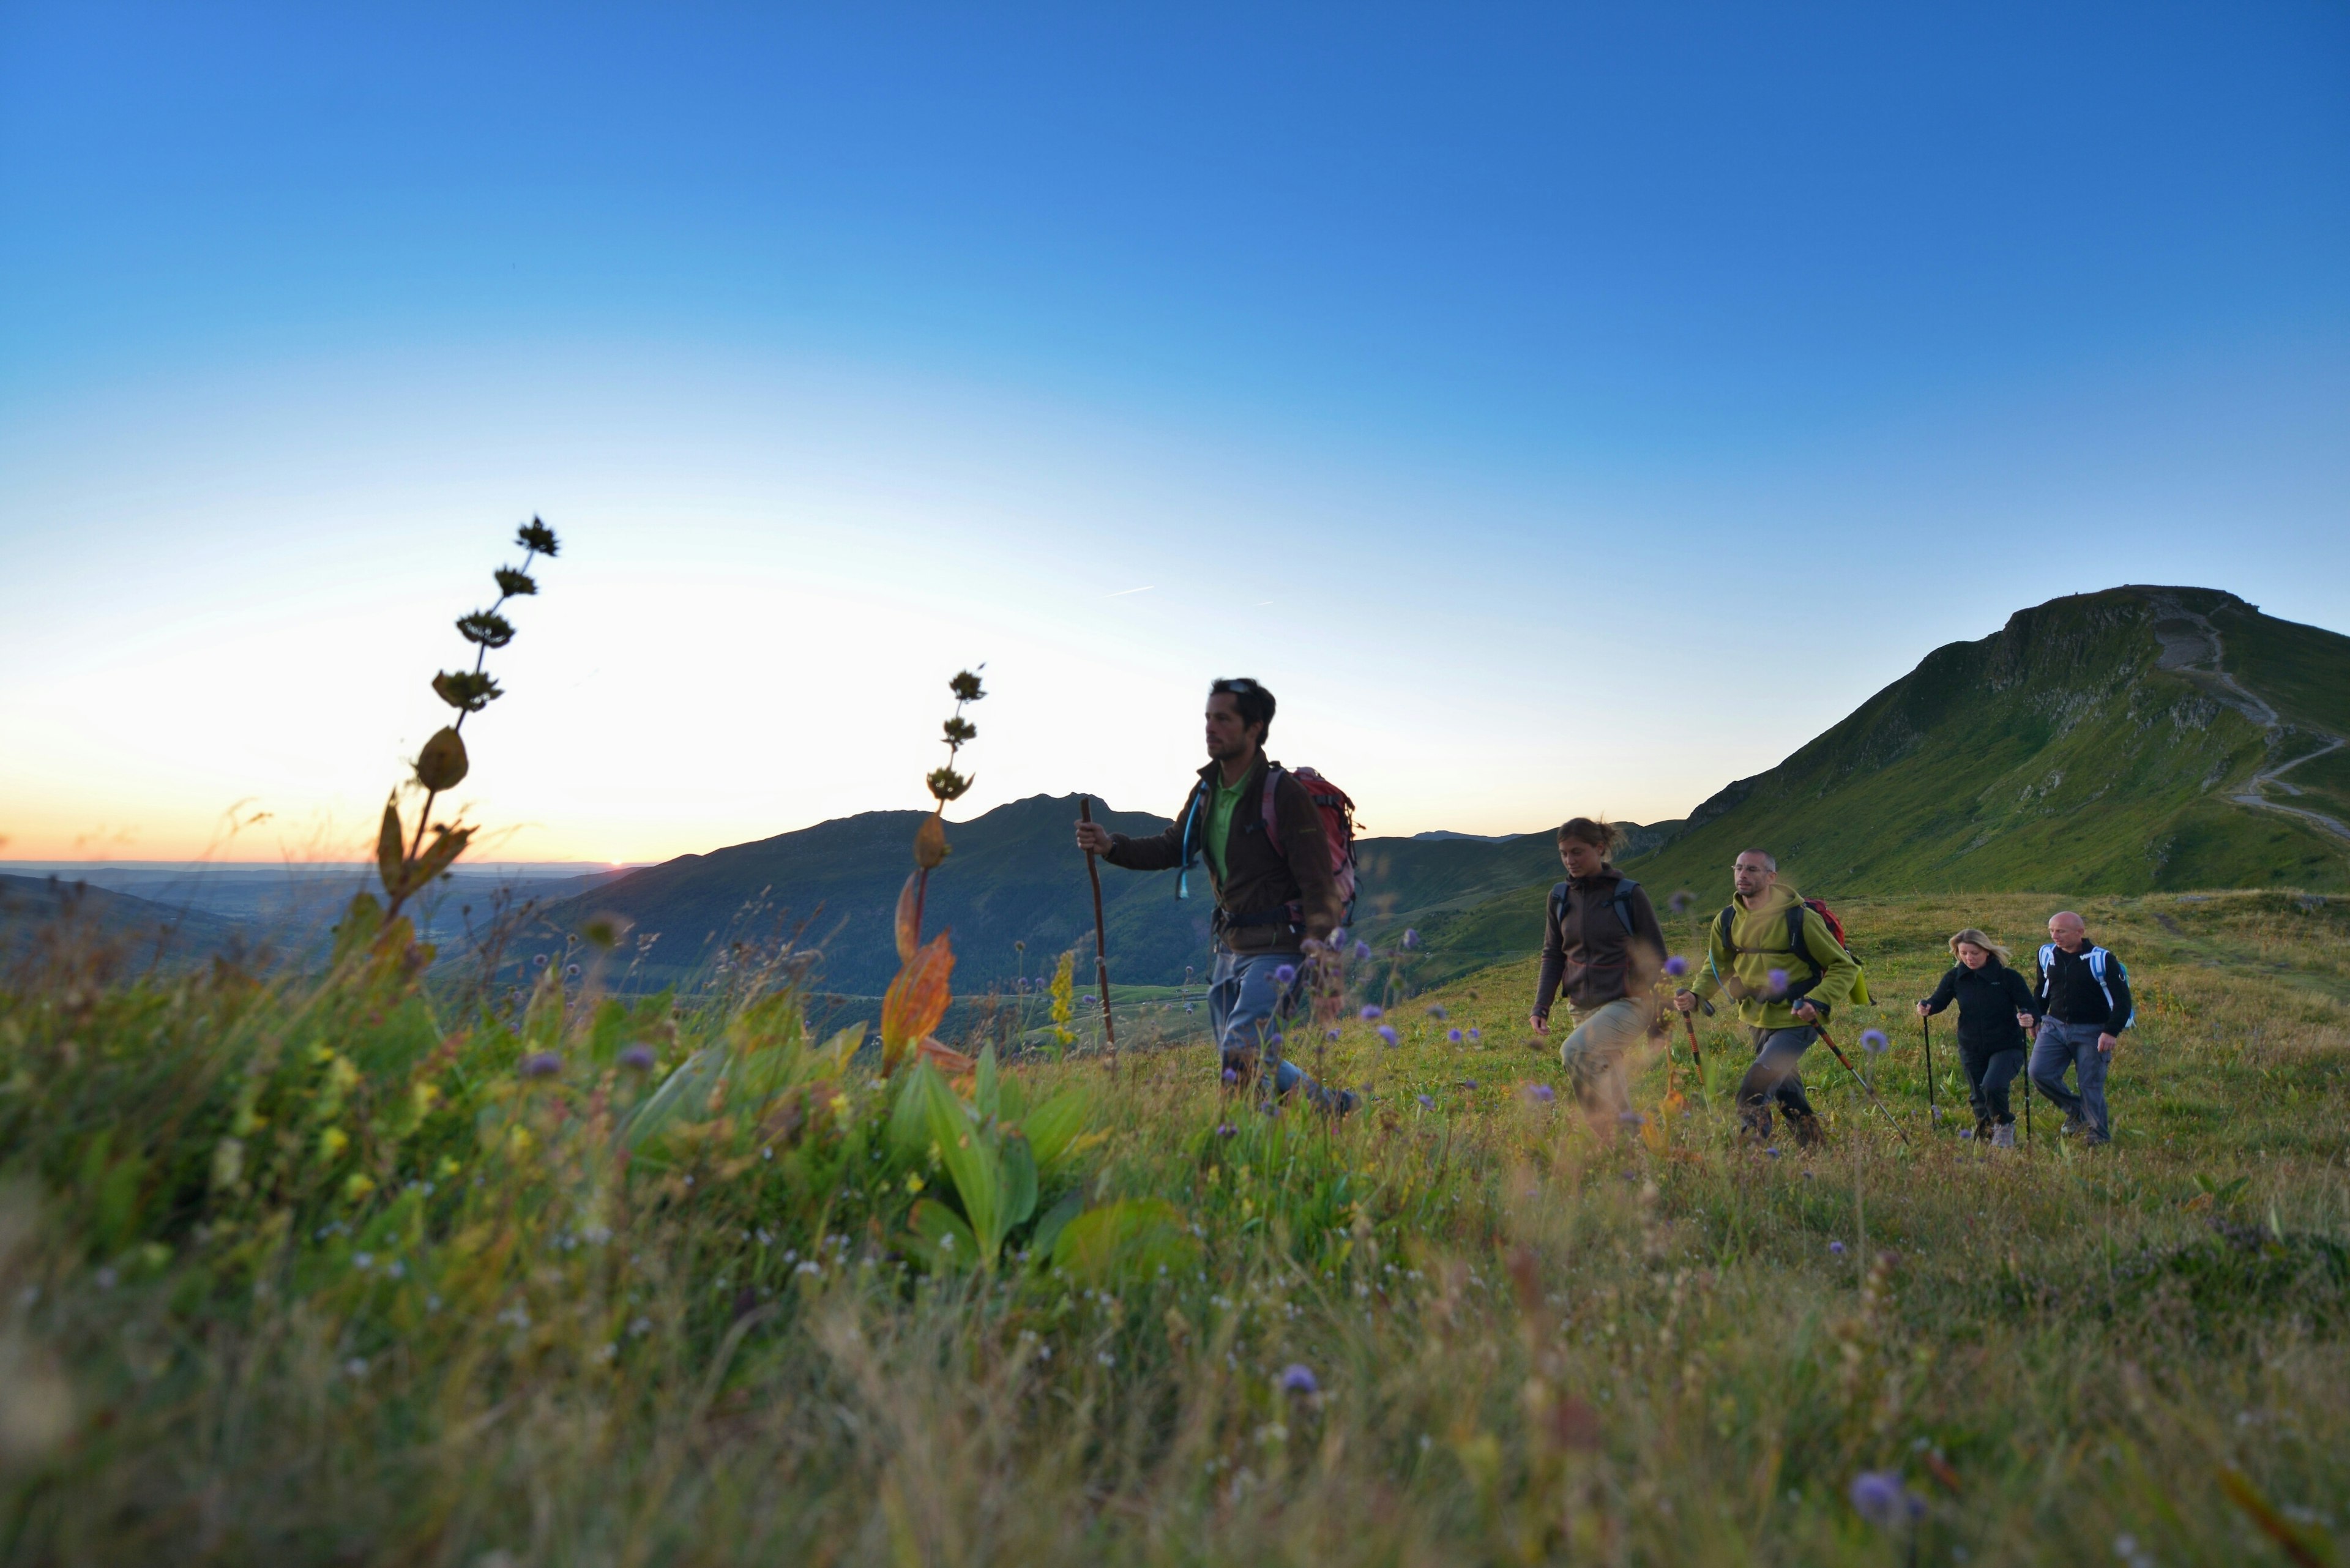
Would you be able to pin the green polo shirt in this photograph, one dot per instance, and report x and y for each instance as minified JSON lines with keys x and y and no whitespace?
{"x":1221,"y":804}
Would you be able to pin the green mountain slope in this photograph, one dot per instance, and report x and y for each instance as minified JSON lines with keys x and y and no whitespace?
{"x":2122,"y":742}
{"x":2139,"y":739}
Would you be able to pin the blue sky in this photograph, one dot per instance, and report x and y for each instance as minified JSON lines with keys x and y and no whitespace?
{"x":1564,"y":408}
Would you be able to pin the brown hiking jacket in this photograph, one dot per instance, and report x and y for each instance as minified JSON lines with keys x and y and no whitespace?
{"x":1586,"y":945}
{"x":1275,"y":897}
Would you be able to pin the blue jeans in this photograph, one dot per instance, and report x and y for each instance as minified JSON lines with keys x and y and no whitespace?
{"x":1247,"y":1006}
{"x":2074,"y":1045}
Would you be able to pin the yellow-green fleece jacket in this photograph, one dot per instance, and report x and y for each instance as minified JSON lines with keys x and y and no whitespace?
{"x":1760,"y":931}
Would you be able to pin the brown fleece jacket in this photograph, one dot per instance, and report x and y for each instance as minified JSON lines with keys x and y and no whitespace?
{"x":1261,"y":879}
{"x":1586,"y":945}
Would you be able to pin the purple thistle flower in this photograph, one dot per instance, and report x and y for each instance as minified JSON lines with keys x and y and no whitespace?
{"x":1410,"y":939}
{"x":1677,"y":966}
{"x":1878,"y":1497}
{"x":1777,"y":981}
{"x":1965,"y":1132}
{"x":1299,"y":1378}
{"x":1231,"y":1074}
{"x":1453,"y":1035}
{"x":1225,"y":1129}
{"x":571,"y":971}
{"x":1836,"y":1247}
{"x":1373,"y":1012}
{"x":1436,"y":1010}
{"x":539,"y":961}
{"x":1773,"y":1151}
{"x":1476,"y":1035}
{"x":1285,"y":973}
{"x":1338,"y":938}
{"x":1540,"y":1094}
{"x":1329,"y":1035}
{"x":1680,"y":901}
{"x":1362,"y":950}
{"x":1468,"y":1083}
{"x":637,"y":1058}
{"x":1387,"y":1033}
{"x":1873,"y":1041}
{"x":1426,"y":1104}
{"x":541,"y":1065}
{"x":1632,"y":1118}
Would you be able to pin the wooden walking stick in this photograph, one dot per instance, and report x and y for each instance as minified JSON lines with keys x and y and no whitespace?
{"x":1101,"y":941}
{"x":1695,"y":1054}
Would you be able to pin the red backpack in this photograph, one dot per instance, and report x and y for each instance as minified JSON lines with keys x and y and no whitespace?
{"x":1337,"y":830}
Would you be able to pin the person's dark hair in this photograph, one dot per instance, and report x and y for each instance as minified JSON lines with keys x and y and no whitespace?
{"x":1770,"y":861}
{"x":1596,"y":831}
{"x":1254,"y":702}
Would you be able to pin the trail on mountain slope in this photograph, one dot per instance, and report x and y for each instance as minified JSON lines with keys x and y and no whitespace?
{"x":2191,"y":645}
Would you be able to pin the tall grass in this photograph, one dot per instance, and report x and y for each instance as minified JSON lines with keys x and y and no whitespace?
{"x":621,"y":1282}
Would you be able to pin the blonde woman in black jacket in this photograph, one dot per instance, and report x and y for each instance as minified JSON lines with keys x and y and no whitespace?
{"x":1995,"y":1009}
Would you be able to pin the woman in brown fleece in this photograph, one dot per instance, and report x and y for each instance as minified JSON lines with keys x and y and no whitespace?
{"x":1602,"y":944}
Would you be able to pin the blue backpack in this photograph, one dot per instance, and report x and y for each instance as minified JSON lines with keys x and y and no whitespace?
{"x":2099,"y":959}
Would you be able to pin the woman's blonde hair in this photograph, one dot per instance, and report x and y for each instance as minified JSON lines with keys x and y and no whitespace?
{"x":1971,"y":935}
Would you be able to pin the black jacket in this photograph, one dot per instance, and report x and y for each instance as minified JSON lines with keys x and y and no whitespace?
{"x":1587,"y":944}
{"x":1988,"y":999}
{"x":2069,"y":991}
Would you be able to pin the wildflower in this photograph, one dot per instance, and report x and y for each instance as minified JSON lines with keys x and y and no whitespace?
{"x":637,"y":1058}
{"x":1968,"y":1133}
{"x":1225,"y":1129}
{"x":1873,"y":1041}
{"x":332,"y":1142}
{"x":1540,"y":1094}
{"x":1373,"y":1013}
{"x":1426,"y":1104}
{"x":355,"y":1367}
{"x":1773,"y":1151}
{"x":1468,"y":1083}
{"x":1475,"y":1034}
{"x":357,"y":1187}
{"x":571,"y":971}
{"x":539,"y":962}
{"x":1285,"y":973}
{"x":1337,"y":938}
{"x":1299,"y":1378}
{"x":1362,"y":949}
{"x":1231,"y":1074}
{"x":363,"y":1260}
{"x":1632,"y":1118}
{"x":1410,"y":939}
{"x":1452,"y":1036}
{"x":541,"y":1065}
{"x":1837,"y":1248}
{"x":1681,"y":900}
{"x":1436,"y":1012}
{"x":536,"y":537}
{"x":1777,"y":981}
{"x":1387,"y":1033}
{"x":1878,"y":1497}
{"x":1330,"y":1034}
{"x":1677,"y":966}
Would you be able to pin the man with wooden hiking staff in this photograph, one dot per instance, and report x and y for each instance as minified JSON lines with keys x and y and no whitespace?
{"x":1279,"y":847}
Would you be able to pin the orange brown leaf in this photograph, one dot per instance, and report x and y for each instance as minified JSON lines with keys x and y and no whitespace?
{"x":916,"y":999}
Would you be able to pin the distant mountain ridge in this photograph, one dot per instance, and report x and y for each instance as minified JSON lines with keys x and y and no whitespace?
{"x":1014,"y":878}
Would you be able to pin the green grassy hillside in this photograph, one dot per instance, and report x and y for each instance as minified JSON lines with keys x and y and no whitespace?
{"x":336,"y":1269}
{"x":2093,"y":744}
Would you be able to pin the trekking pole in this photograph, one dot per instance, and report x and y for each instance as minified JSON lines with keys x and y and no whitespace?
{"x":1933,"y":1116}
{"x":1695,"y":1054}
{"x":1848,"y":1067}
{"x":1102,"y":946}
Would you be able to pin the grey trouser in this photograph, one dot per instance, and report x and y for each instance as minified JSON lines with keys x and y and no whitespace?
{"x":1777,"y":1052}
{"x":2074,"y":1045}
{"x":1247,"y":1005}
{"x":1594,"y":1053}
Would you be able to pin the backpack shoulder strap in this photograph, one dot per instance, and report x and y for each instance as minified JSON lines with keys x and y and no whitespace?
{"x":1621,"y":901}
{"x":1558,"y":905}
{"x":1722,"y":928}
{"x":1273,"y":772}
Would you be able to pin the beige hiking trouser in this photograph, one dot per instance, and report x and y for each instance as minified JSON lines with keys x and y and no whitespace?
{"x":1595,"y":1054}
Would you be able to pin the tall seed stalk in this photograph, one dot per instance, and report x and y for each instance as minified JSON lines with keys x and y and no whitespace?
{"x":406,"y":866}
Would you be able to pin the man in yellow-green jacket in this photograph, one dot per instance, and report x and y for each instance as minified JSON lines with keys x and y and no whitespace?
{"x":1779,"y":962}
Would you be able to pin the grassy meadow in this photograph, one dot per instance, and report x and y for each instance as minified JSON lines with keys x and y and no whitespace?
{"x":350,"y":1268}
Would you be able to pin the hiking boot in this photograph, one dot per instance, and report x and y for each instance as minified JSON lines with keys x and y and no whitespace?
{"x":1335,"y":1104}
{"x":1982,"y":1129}
{"x":2003,"y":1136}
{"x":1806,"y":1128}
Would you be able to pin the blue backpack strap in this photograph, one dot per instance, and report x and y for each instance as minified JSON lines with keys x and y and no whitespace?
{"x":1190,"y":851}
{"x":1622,"y":902}
{"x":2099,"y":959}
